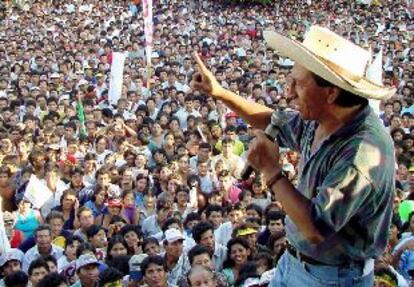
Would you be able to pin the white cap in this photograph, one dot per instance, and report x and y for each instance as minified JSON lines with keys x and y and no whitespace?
{"x":83,"y":82}
{"x":135,"y":262}
{"x":86,"y":259}
{"x":173,"y":234}
{"x":13,"y":254}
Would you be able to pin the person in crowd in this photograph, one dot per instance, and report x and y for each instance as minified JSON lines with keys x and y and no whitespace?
{"x":87,"y":271}
{"x":238,"y":253}
{"x":175,"y":258}
{"x":10,"y":263}
{"x":53,"y":280}
{"x":154,"y":270}
{"x":203,"y":233}
{"x":43,"y":247}
{"x":37,"y":270}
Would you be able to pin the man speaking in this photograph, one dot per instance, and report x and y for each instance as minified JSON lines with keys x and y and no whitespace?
{"x":339,"y":212}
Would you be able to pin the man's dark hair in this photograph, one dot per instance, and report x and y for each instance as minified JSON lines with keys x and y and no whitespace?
{"x":72,"y":238}
{"x":37,"y":263}
{"x":170,"y":221}
{"x":120,"y":263}
{"x":213,"y":208}
{"x":42,"y":227}
{"x":109,"y":275}
{"x":275,"y":215}
{"x":52,"y":280}
{"x":131,"y":227}
{"x":198,"y":250}
{"x":50,"y":258}
{"x":200,"y":228}
{"x":155,"y":259}
{"x":85,"y":246}
{"x":16,"y":279}
{"x":54,"y":215}
{"x":345,"y":99}
{"x":149,"y":240}
{"x":93,"y":230}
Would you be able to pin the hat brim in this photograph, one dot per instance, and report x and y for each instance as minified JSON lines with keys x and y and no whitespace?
{"x":297,"y":52}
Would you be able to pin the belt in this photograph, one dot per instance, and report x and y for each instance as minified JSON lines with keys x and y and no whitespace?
{"x":302,"y":257}
{"x":366,"y":266}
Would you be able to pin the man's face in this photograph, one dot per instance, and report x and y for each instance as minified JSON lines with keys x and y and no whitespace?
{"x":57,"y":225}
{"x":89,"y":274}
{"x":99,"y":239}
{"x":202,"y":279}
{"x":174,"y":249}
{"x":37,"y":275}
{"x":275,"y":226}
{"x":216,"y":218}
{"x":152,"y":249}
{"x":11,"y":267}
{"x":86,"y":219}
{"x":207,"y":239}
{"x":202,"y":169}
{"x":188,"y":105}
{"x":155,"y":276}
{"x":236,"y":216}
{"x":44,"y":239}
{"x":203,"y":260}
{"x":104,"y":179}
{"x":310,"y":99}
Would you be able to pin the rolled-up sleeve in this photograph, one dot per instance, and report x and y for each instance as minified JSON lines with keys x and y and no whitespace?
{"x":290,"y":127}
{"x":343,"y":193}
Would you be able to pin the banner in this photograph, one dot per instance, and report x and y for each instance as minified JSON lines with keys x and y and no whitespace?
{"x":116,"y":77}
{"x":37,"y":192}
{"x":148,"y":31}
{"x":374,"y":74}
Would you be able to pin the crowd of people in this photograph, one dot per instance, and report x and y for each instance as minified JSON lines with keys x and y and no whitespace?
{"x":148,"y":192}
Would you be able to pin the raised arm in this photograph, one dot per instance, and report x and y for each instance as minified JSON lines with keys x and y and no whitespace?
{"x":255,"y":114}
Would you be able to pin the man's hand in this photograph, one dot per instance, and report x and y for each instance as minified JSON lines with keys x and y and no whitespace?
{"x":263,"y":155}
{"x":204,"y":80}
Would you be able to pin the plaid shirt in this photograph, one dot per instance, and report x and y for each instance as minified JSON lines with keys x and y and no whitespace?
{"x":349,"y":179}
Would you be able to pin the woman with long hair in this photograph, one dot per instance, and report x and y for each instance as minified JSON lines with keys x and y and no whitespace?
{"x":238,"y":253}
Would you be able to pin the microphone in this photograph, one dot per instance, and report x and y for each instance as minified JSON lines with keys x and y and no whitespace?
{"x":277,"y":120}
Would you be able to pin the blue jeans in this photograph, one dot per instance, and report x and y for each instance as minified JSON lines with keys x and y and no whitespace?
{"x":294,"y":273}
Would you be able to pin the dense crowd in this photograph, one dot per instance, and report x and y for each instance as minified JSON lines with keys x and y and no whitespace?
{"x":148,"y":192}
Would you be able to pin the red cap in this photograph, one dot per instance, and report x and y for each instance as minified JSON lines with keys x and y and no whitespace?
{"x":231,"y":115}
{"x":114,"y":202}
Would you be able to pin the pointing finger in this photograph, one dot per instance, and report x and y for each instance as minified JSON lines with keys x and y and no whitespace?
{"x":202,"y":68}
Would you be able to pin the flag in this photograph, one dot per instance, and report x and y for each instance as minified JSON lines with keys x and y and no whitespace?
{"x":116,"y":77}
{"x":81,"y":117}
{"x":374,"y":74}
{"x":148,"y":31}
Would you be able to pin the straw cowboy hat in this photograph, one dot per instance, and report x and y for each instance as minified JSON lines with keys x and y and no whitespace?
{"x":333,"y":58}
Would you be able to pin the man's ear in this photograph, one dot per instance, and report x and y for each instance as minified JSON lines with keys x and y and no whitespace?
{"x":333,"y":93}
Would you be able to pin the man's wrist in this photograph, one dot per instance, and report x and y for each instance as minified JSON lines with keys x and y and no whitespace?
{"x":272,"y":178}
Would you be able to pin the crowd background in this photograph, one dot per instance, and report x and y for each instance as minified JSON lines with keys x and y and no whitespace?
{"x":159,"y":173}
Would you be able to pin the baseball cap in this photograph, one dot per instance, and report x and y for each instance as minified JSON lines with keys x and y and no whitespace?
{"x":83,"y":82}
{"x":54,"y":76}
{"x":12,"y":254}
{"x":173,"y":234}
{"x":114,"y":202}
{"x":135,"y":266}
{"x":86,"y":259}
{"x":231,"y":115}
